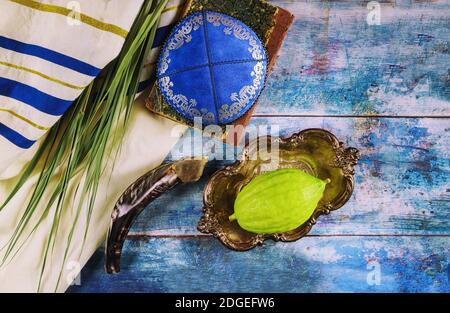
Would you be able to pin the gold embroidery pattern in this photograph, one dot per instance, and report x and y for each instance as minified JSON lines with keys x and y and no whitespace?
{"x":181,"y":36}
{"x":232,"y":26}
{"x":247,"y":93}
{"x":184,"y":104}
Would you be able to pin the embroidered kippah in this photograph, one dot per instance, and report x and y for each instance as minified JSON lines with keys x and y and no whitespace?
{"x":212,"y":66}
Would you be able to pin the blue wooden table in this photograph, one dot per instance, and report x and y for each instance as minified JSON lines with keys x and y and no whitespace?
{"x":384,"y":89}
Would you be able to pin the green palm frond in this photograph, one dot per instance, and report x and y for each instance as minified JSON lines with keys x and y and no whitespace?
{"x":82,"y":140}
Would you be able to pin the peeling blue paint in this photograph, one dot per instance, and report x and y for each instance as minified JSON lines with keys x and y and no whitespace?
{"x":332,"y":64}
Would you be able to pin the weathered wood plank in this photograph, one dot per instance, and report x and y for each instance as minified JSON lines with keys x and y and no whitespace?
{"x":326,"y":264}
{"x":402,"y":181}
{"x":334,"y":63}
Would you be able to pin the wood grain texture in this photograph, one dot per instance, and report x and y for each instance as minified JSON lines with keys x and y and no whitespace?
{"x":334,"y":63}
{"x":339,"y":264}
{"x":384,"y":89}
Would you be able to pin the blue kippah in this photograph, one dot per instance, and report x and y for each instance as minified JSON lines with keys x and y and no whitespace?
{"x":212,"y":66}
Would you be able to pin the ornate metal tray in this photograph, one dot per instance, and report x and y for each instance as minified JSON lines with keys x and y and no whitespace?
{"x":316,"y":151}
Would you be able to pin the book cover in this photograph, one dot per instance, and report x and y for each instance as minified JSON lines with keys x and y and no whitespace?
{"x":269,"y":22}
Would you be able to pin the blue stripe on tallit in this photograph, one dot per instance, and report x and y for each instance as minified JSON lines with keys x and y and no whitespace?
{"x":161,"y":35}
{"x":49,"y":55}
{"x":33,"y":97}
{"x":15,"y":137}
{"x":45,"y":102}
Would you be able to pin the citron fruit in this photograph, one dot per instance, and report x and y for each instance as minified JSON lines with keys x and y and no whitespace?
{"x":278,"y":201}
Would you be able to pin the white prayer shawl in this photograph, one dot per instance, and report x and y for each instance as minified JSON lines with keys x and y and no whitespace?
{"x":46,"y":60}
